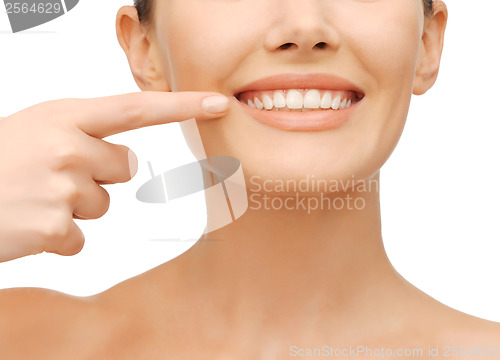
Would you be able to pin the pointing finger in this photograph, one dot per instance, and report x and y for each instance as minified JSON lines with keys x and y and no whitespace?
{"x":105,"y":116}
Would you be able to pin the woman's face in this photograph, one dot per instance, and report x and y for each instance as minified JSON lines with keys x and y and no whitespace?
{"x":223,"y":45}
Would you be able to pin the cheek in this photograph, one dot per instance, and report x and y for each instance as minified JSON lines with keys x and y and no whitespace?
{"x":386,"y":43}
{"x":205,"y":42}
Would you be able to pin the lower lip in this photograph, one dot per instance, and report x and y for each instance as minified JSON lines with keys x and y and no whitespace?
{"x":317,"y":120}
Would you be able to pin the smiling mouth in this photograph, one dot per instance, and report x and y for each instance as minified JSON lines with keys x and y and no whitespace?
{"x":300,"y":100}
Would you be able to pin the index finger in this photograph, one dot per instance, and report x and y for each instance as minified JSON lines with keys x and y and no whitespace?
{"x":105,"y":116}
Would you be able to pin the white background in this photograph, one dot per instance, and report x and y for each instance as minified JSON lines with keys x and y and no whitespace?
{"x":440,"y":189}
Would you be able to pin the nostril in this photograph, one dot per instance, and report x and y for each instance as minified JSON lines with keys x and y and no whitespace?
{"x":321,"y":45}
{"x":285,"y":46}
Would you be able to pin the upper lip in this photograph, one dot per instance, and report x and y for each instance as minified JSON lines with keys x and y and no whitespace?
{"x":320,"y":81}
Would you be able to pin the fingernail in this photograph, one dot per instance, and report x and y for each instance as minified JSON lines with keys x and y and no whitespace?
{"x":133,"y":163}
{"x":215,"y":104}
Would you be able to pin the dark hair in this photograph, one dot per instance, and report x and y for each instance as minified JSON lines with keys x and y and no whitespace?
{"x":145,"y":9}
{"x":428,"y":7}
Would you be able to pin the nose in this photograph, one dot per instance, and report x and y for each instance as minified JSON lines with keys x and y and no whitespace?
{"x":301,"y":27}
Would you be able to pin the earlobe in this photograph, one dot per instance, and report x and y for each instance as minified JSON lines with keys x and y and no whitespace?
{"x":142,"y":59}
{"x":431,"y":48}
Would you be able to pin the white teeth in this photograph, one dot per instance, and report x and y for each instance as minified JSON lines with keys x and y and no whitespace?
{"x":279,"y":100}
{"x":267,"y":102}
{"x":336,"y":102}
{"x":342,"y":104}
{"x":326,"y":101}
{"x":294,"y":99}
{"x":258,"y":104}
{"x":312,"y":99}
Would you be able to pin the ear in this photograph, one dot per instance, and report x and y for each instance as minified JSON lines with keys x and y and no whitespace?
{"x":134,"y":38}
{"x":431,"y":48}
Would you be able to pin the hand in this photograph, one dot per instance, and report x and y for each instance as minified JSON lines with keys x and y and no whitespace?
{"x":53,"y":161}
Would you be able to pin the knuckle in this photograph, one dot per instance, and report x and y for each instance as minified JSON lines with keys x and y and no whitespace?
{"x":63,"y":157}
{"x":51,"y":109}
{"x":56,"y":228}
{"x":60,"y":113}
{"x":64,"y":105}
{"x":68,"y":192}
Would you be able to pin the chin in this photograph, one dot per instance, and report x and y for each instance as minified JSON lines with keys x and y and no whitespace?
{"x":296,"y":157}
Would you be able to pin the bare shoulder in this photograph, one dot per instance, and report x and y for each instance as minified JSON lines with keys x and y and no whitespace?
{"x":44,"y":324}
{"x":470,"y":337}
{"x":442,"y":332}
{"x":38,"y":323}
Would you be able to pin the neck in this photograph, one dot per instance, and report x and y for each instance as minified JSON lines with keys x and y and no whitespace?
{"x":275,"y":262}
